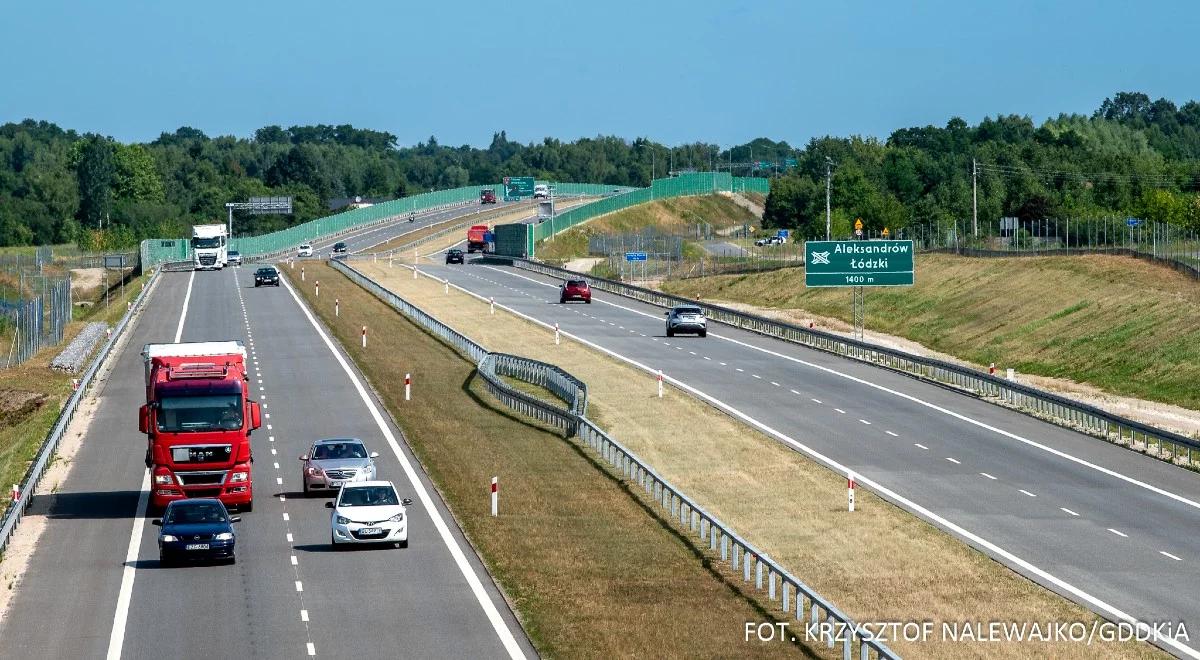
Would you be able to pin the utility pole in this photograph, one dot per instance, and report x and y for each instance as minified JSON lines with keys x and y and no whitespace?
{"x":828,"y":188}
{"x":975,"y":196}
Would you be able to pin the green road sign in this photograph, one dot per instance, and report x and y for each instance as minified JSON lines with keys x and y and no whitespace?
{"x":858,"y":263}
{"x":518,"y":186}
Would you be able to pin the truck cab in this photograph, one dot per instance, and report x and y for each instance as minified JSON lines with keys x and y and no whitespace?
{"x":198,"y":418}
{"x":487,"y":196}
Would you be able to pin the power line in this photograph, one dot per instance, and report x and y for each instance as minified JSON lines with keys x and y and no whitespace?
{"x":1159,"y":179}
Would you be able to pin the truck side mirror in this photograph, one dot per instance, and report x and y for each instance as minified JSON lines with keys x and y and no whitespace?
{"x":144,"y":418}
{"x":255,"y":415}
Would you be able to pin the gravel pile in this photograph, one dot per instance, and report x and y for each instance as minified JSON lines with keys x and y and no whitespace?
{"x":75,"y":355}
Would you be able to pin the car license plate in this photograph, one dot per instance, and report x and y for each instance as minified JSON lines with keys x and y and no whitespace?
{"x":336,"y":484}
{"x":370,"y":531}
{"x":197,"y":546}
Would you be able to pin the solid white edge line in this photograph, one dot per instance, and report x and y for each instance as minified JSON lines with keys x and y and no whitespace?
{"x":909,"y":397}
{"x":116,"y":636}
{"x":1167,"y":554}
{"x":839,"y":468}
{"x":460,"y":559}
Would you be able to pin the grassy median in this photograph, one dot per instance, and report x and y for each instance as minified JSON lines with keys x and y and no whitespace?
{"x":879,"y":564}
{"x":590,"y":569}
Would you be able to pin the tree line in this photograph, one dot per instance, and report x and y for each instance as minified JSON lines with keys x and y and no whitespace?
{"x":1133,"y":155}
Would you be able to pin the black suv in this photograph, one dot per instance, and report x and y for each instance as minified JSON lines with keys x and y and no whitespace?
{"x":340,"y":246}
{"x":267,"y":275}
{"x":454,"y":256}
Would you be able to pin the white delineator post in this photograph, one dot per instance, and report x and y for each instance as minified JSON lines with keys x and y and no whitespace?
{"x":337,"y":306}
{"x":495,"y":497}
{"x":128,"y":305}
{"x":302,"y":273}
{"x":1012,"y":374}
{"x":660,"y":384}
{"x":492,"y":302}
{"x":850,"y":490}
{"x":364,"y":336}
{"x":992,"y":369}
{"x":556,"y":339}
{"x":446,"y":283}
{"x":15,"y":495}
{"x":317,"y":289}
{"x":407,"y":387}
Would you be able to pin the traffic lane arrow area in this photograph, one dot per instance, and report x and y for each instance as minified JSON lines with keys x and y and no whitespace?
{"x":913,"y":462}
{"x":251,"y":603}
{"x":358,"y":600}
{"x":75,"y":572}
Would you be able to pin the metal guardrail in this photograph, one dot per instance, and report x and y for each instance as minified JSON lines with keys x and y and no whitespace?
{"x":33,"y":476}
{"x":794,"y":596}
{"x":1081,"y":417}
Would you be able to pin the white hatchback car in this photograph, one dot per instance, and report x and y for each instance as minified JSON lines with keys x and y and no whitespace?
{"x":368,"y":512}
{"x":305,"y":250}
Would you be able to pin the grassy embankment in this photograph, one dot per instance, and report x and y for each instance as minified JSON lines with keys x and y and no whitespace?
{"x":590,"y":571}
{"x":878,"y":564}
{"x":1126,"y":326}
{"x":32,"y":394}
{"x":673,"y":216}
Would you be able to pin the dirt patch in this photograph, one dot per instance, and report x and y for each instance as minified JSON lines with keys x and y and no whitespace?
{"x":583,"y":265}
{"x":86,"y":279}
{"x":16,"y":405}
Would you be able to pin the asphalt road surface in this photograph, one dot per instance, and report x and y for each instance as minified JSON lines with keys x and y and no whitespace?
{"x":1105,"y":526}
{"x":288,"y":595}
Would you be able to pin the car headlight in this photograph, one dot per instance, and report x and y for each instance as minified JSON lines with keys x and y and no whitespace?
{"x":238,"y":477}
{"x":343,"y":520}
{"x":167,"y":538}
{"x":224,"y":536}
{"x":314,"y":472}
{"x":163,"y":480}
{"x":399,"y":517}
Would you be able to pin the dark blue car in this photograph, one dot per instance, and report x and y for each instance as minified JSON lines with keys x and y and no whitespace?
{"x":195,"y":529}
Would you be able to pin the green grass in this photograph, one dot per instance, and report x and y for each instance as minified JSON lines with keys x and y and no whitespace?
{"x":1124,"y":325}
{"x":676,"y":215}
{"x":589,"y":569}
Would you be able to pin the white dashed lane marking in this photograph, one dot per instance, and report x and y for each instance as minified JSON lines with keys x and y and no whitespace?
{"x":1167,"y":554}
{"x":1068,"y":511}
{"x":988,"y":476}
{"x":1118,"y":533}
{"x":954,"y":461}
{"x":917,"y":444}
{"x":1022,"y":490}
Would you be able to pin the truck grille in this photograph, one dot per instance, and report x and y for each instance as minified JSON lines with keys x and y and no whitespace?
{"x":341,"y":474}
{"x":200,"y":478}
{"x":203,"y":492}
{"x":208,"y":259}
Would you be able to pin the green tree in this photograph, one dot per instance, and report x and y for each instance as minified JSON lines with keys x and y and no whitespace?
{"x":96,"y":174}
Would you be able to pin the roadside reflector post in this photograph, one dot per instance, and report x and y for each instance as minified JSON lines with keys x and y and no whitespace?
{"x":447,"y":285}
{"x":414,"y":272}
{"x":337,"y":307}
{"x":407,"y":387}
{"x":302,"y":273}
{"x":374,"y":257}
{"x":495,"y":497}
{"x":364,"y":336}
{"x":1012,"y":374}
{"x":492,"y":303}
{"x":15,"y":495}
{"x":660,"y":385}
{"x":992,"y":369}
{"x":108,"y":332}
{"x":74,"y":384}
{"x":850,"y":490}
{"x":128,"y":305}
{"x":317,"y":289}
{"x":556,"y":339}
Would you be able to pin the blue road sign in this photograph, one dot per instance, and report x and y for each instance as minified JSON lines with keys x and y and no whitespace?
{"x":781,"y":233}
{"x":1133,"y":222}
{"x":635,"y":256}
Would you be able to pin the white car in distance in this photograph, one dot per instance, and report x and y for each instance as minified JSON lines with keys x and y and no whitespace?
{"x":368,"y":512}
{"x":305,"y":250}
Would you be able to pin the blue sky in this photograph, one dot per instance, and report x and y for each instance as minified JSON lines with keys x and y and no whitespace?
{"x":672,"y":71}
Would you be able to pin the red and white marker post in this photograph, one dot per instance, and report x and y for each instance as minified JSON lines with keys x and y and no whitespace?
{"x":407,"y":387}
{"x":660,"y":384}
{"x":317,"y":289}
{"x":556,"y":339}
{"x":495,"y":497}
{"x":850,"y":490}
{"x":364,"y":336}
{"x":992,"y":369}
{"x":337,"y":306}
{"x":15,"y":494}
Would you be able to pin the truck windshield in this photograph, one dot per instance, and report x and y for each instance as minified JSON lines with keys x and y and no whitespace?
{"x":183,"y":414}
{"x":206,"y":243}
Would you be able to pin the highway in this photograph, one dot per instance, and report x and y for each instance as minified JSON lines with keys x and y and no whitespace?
{"x":288,"y":595}
{"x":1109,"y":528}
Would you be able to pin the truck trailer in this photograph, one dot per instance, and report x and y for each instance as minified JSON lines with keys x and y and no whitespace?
{"x":210,"y":247}
{"x":477,"y":238}
{"x":197,"y":419}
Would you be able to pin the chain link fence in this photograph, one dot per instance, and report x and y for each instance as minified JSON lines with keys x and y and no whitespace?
{"x":33,"y":314}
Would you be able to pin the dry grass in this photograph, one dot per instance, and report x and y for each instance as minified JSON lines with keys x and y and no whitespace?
{"x":887,"y":565}
{"x":671,"y":216}
{"x":590,"y":572}
{"x":1124,"y":325}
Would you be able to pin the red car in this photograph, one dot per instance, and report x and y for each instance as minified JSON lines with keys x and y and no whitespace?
{"x":575,"y":290}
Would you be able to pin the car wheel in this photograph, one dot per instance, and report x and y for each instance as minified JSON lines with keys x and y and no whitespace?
{"x":164,"y":560}
{"x":256,"y":285}
{"x":588,"y":301}
{"x":704,"y":333}
{"x":333,"y":541}
{"x":307,"y":491}
{"x":248,"y":507}
{"x":232,"y":559}
{"x":402,"y":544}
{"x":670,"y":332}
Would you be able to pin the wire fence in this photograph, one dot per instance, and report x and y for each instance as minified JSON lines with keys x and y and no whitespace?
{"x":791,"y":595}
{"x":34,"y":315}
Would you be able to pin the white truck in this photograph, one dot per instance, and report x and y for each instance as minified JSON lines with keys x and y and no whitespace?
{"x":541,"y":191}
{"x":210,"y":247}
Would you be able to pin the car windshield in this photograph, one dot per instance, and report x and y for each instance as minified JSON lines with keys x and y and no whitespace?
{"x":369,"y":496}
{"x":266,"y":271}
{"x":456,"y":251}
{"x":336,"y":450}
{"x":306,"y":246}
{"x":183,"y":414}
{"x":577,"y":283}
{"x":194,"y":513}
{"x":688,"y":310}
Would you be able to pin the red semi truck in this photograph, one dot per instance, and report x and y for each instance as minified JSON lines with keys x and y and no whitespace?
{"x":477,"y":239}
{"x":198,"y":418}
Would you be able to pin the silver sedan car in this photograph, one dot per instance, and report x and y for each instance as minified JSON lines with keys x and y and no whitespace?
{"x":686,"y":318}
{"x":336,"y":461}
